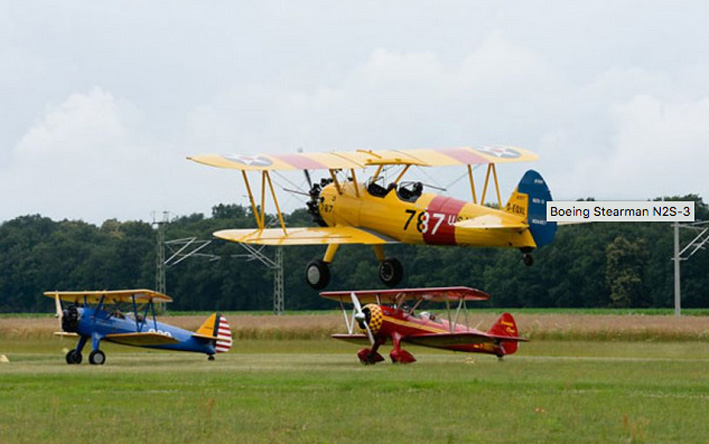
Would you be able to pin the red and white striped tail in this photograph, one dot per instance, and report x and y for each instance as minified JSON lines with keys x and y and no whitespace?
{"x":224,"y":342}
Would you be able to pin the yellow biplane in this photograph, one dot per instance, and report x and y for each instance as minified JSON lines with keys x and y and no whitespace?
{"x":375,"y":213}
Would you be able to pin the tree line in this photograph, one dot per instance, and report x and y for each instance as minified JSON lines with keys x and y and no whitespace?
{"x":587,"y":265}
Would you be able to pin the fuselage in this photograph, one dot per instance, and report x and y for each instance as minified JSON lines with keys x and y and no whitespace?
{"x":388,"y":321}
{"x":100,"y":322}
{"x":427,"y":219}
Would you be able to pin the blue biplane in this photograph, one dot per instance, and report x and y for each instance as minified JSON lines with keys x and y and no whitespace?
{"x":97,"y":316}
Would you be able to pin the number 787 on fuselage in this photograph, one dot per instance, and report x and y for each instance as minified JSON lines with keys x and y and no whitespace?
{"x":349,"y":211}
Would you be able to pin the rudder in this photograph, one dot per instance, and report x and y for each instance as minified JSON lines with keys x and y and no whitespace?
{"x":506,"y":326}
{"x":529,"y":201}
{"x":225,"y":341}
{"x":217,"y":326}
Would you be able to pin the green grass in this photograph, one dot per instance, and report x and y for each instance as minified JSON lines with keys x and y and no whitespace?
{"x":301,"y":391}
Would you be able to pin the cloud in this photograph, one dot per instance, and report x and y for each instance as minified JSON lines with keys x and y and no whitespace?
{"x":83,"y":125}
{"x":391,"y":99}
{"x":89,"y":158}
{"x":657,"y":148}
{"x":614,"y":131}
{"x":662,"y":144}
{"x":500,"y":92}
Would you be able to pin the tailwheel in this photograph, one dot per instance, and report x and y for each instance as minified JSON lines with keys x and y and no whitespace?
{"x":317,"y":274}
{"x":401,"y":356}
{"x":391,"y":271}
{"x":369,"y":357}
{"x":73,"y":357}
{"x":210,"y":358}
{"x":97,"y":357}
{"x":527,"y":259}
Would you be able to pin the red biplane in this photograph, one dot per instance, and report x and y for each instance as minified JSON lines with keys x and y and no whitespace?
{"x":393,"y":314}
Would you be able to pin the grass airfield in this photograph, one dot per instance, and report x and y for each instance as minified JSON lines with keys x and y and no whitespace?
{"x":315,"y":391}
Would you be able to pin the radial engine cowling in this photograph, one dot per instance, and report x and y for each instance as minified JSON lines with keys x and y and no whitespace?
{"x":373,"y":317}
{"x":70,"y":319}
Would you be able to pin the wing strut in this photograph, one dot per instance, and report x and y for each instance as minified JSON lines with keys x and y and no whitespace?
{"x":334,"y":180}
{"x":251,"y":198}
{"x":490,"y":167}
{"x":260,"y":216}
{"x":354,"y":181}
{"x":472,"y":184}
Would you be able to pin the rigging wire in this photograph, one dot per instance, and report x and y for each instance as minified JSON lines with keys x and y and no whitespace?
{"x":462,"y":176}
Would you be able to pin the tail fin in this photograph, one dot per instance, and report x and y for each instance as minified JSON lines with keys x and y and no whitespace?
{"x":529,"y":201}
{"x":217,"y":326}
{"x":224,"y":334}
{"x":506,"y":326}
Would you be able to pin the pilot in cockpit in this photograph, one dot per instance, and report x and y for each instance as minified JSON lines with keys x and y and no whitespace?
{"x":118,"y":314}
{"x":430,"y":316}
{"x":406,"y":191}
{"x":375,"y":187}
{"x":410,"y":191}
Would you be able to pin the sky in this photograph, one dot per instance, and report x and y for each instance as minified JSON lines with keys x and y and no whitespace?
{"x":101,"y":102}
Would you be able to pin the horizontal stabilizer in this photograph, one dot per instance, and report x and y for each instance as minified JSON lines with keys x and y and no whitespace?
{"x":205,"y":337}
{"x":505,"y":330}
{"x":141,"y":339}
{"x":215,"y":328}
{"x":493,"y":222}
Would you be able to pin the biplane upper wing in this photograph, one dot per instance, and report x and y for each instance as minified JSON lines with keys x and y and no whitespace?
{"x":390,"y":296}
{"x":464,"y":155}
{"x":443,"y":340}
{"x":305,"y":236}
{"x":93,"y":297}
{"x":141,"y":339}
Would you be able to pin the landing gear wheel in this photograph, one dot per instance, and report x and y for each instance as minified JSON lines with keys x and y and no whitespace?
{"x":210,"y":358}
{"x":401,"y":356}
{"x":391,"y":271}
{"x":527,"y":259}
{"x":368,"y":356}
{"x":97,"y":357}
{"x":317,"y":274}
{"x":73,"y":357}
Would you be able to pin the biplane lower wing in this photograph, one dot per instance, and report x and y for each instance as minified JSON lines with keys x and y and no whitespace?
{"x":141,"y":339}
{"x":305,"y":236}
{"x":446,"y":340}
{"x":354,"y":338}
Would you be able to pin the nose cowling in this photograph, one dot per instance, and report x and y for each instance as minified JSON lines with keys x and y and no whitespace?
{"x":70,"y":319}
{"x":314,"y":203}
{"x":373,"y":318}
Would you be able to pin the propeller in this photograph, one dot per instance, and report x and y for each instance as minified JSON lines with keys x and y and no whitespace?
{"x":307,"y":177}
{"x":307,"y":173}
{"x":361,"y":317}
